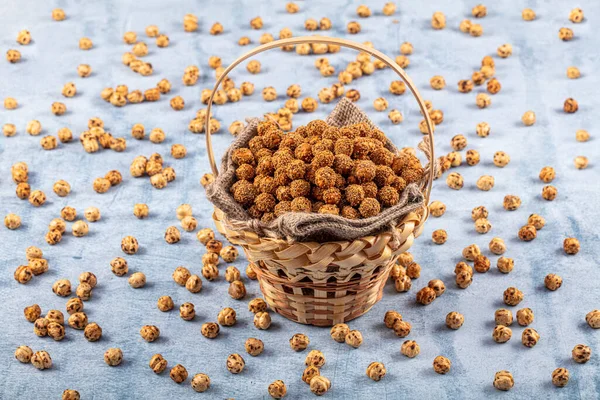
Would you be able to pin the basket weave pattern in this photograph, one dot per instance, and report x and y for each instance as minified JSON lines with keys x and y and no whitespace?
{"x":324,"y":283}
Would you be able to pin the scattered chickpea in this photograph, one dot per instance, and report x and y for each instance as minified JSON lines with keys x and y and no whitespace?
{"x":513,"y":296}
{"x":527,"y":233}
{"x":13,"y":56}
{"x":528,"y":14}
{"x":581,"y":162}
{"x":178,"y":374}
{"x":582,"y":135}
{"x":593,"y":319}
{"x":78,"y":320}
{"x":354,"y":339}
{"x":41,"y":360}
{"x":524,"y":316}
{"x":560,"y":377}
{"x":581,"y":353}
{"x":441,"y":365}
{"x":85,"y":43}
{"x":565,"y":34}
{"x":573,"y":73}
{"x":376,"y":371}
{"x":438,"y":20}
{"x":137,"y":280}
{"x":437,"y":82}
{"x":439,"y":236}
{"x":455,"y":181}
{"x":549,"y":192}
{"x":395,"y":116}
{"x":24,"y":37}
{"x":210,"y":330}
{"x":235,"y":363}
{"x":501,"y":334}
{"x":454,"y":320}
{"x":504,"y":51}
{"x":10,"y":103}
{"x":149,"y":333}
{"x":503,"y":380}
{"x":410,"y":349}
{"x":262,"y":320}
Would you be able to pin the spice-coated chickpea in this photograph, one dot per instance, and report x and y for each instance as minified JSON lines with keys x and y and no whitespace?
{"x":178,"y":373}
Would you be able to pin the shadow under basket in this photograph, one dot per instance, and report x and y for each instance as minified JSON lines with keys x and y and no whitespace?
{"x":327,"y":283}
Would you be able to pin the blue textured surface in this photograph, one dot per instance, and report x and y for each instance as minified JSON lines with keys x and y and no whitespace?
{"x":533,"y":78}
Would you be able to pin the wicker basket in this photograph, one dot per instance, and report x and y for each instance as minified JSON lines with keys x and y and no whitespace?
{"x":325,"y":283}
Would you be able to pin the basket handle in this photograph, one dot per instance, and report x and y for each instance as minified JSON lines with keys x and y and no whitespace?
{"x":335,"y":41}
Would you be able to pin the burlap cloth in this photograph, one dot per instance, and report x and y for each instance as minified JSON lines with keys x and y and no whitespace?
{"x":303,"y":227}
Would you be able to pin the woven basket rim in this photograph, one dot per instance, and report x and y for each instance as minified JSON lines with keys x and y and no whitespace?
{"x":422,"y":213}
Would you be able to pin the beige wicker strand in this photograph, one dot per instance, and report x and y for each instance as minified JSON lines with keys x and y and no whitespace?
{"x":333,"y":282}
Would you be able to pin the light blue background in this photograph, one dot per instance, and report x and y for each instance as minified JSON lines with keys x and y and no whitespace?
{"x":532,"y":79}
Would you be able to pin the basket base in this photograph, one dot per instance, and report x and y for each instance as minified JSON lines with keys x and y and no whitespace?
{"x":304,"y":308}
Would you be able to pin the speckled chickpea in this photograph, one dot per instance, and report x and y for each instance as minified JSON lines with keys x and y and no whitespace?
{"x":137,"y":280}
{"x":210,"y":330}
{"x":483,"y":129}
{"x":503,"y":380}
{"x":74,"y":305}
{"x":530,"y":337}
{"x":581,"y":353}
{"x":187,"y":311}
{"x":525,"y":316}
{"x":454,"y":320}
{"x":172,"y":234}
{"x":437,"y":208}
{"x":410,"y":349}
{"x":23,"y":354}
{"x":237,"y":290}
{"x":497,"y":246}
{"x":552,"y":282}
{"x":12,"y":221}
{"x":571,"y":246}
{"x":149,"y":333}
{"x":194,"y":284}
{"x":581,"y":162}
{"x":593,"y":319}
{"x":549,"y":192}
{"x":78,"y":320}
{"x":210,"y":258}
{"x":513,"y":296}
{"x":439,"y":236}
{"x":560,"y":377}
{"x":565,"y":34}
{"x":235,"y":363}
{"x":315,"y":358}
{"x":511,"y":202}
{"x":299,"y":342}
{"x":37,"y":198}
{"x":354,"y":339}
{"x":441,"y":365}
{"x":455,"y":181}
{"x":262,"y":320}
{"x":501,"y":334}
{"x":165,"y":303}
{"x":41,"y":360}
{"x":504,"y":317}
{"x":178,"y":374}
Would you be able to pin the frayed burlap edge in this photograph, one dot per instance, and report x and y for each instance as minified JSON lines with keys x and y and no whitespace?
{"x":303,"y":227}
